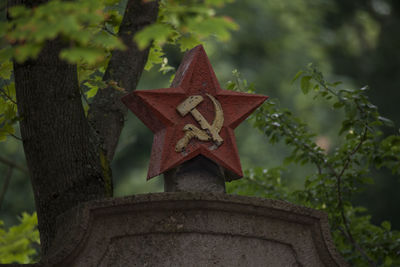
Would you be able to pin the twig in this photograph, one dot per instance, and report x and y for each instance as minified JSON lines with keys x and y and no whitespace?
{"x":351,"y":239}
{"x":347,"y":231}
{"x":7,"y":96}
{"x":13,"y":165}
{"x":5,"y":185}
{"x":16,"y":137}
{"x":348,"y":160}
{"x":316,"y":158}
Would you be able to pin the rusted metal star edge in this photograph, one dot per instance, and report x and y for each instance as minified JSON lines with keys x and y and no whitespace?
{"x":193,"y":117}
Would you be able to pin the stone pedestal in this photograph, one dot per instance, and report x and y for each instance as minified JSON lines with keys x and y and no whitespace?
{"x":193,"y":229}
{"x":196,"y":175}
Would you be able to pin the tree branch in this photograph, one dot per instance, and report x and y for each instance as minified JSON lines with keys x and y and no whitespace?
{"x":346,"y":165}
{"x":357,"y":247}
{"x":7,"y":96}
{"x":106,"y":113}
{"x":347,"y":232}
{"x":13,"y":165}
{"x":5,"y":185}
{"x":15,"y":137}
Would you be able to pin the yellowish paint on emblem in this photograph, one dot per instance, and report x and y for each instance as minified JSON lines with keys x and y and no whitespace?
{"x":207,"y":132}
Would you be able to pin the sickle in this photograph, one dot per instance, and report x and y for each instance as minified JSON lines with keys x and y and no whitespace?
{"x":192,"y":131}
{"x":219,"y":114}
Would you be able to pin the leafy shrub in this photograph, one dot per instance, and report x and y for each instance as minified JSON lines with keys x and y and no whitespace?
{"x":337,"y":175}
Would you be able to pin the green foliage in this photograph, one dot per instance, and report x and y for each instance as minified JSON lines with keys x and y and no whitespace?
{"x":16,"y":244}
{"x":8,"y":107}
{"x":185,"y":23}
{"x":83,"y":23}
{"x":90,"y":27}
{"x":261,"y":183}
{"x":239,"y":84}
{"x":338,"y":174}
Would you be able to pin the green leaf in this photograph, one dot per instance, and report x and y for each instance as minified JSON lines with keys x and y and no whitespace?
{"x":83,"y":54}
{"x":157,"y":32}
{"x":17,"y":11}
{"x":92,"y":92}
{"x":388,"y":261}
{"x":103,"y":39}
{"x":47,"y":31}
{"x":5,"y":131}
{"x":187,"y":42}
{"x":305,"y":84}
{"x":219,"y":27}
{"x":6,"y":53}
{"x":16,"y":243}
{"x":338,"y":104}
{"x":84,"y":73}
{"x":26,"y":51}
{"x":336,"y":83}
{"x":94,"y":85}
{"x":386,"y":121}
{"x":6,"y":69}
{"x":298,"y":74}
{"x":156,"y":56}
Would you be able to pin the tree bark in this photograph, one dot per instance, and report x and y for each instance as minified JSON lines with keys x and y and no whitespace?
{"x":107,"y":113}
{"x":65,"y":157}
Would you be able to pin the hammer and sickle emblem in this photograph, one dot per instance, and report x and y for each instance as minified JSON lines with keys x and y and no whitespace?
{"x":207,"y":132}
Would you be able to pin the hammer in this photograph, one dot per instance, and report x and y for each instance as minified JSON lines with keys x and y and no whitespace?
{"x":189,"y":105}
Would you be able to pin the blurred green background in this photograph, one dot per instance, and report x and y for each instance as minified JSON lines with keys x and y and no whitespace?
{"x":356,"y":42}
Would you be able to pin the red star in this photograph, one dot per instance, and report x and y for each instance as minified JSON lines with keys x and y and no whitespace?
{"x":157,"y":109}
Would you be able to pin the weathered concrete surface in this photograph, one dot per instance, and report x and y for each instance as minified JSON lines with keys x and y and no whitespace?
{"x":193,"y":229}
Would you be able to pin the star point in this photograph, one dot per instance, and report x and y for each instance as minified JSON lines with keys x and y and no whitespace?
{"x":193,"y":117}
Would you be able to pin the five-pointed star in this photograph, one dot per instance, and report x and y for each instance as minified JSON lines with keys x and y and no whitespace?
{"x":157,"y":109}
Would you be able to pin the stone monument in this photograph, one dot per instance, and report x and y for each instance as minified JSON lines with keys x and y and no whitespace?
{"x":194,"y":223}
{"x":193,"y":122}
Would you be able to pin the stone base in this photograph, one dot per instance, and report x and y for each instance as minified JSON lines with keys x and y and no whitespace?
{"x":196,"y":175}
{"x":193,"y":229}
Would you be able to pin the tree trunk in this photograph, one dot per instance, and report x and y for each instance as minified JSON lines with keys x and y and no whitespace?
{"x":107,"y":113}
{"x":63,"y":160}
{"x":66,"y":161}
